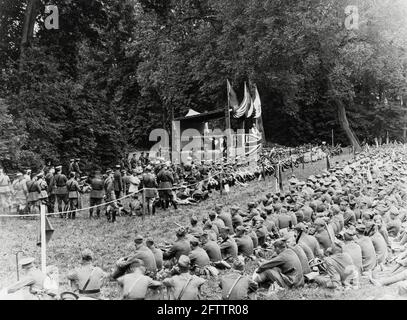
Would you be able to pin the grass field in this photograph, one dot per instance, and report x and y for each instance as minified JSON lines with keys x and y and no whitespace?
{"x":112,"y":241}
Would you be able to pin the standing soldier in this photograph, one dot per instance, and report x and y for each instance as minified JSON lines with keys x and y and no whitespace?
{"x":44,"y":188}
{"x":20,"y":192}
{"x":5,"y":191}
{"x":118,"y":182}
{"x":76,"y":168}
{"x":165,"y":180}
{"x":50,"y":180}
{"x":34,"y":192}
{"x":112,"y":207}
{"x":71,"y":167}
{"x":27,"y":175}
{"x":149,"y":184}
{"x":61,"y":190}
{"x":97,"y":193}
{"x":73,"y":195}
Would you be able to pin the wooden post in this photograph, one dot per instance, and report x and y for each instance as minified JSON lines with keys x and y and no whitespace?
{"x":43,"y":241}
{"x":333,"y":145}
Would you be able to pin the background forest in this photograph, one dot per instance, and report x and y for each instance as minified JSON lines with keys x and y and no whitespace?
{"x":116,"y":69}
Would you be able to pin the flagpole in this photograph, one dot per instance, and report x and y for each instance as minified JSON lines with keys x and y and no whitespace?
{"x":43,"y":241}
{"x":228,"y":125}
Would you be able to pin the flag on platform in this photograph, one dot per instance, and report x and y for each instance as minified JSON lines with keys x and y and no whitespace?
{"x":250,"y":110}
{"x":232,"y":97}
{"x":257,"y":105}
{"x":244,"y":105}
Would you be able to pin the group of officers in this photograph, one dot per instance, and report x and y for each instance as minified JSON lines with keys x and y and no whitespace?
{"x":150,"y":183}
{"x":332,"y":230}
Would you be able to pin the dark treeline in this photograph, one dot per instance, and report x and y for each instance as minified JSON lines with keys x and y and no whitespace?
{"x":116,"y":69}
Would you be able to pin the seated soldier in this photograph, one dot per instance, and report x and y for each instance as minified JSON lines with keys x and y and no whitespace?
{"x":228,"y":246}
{"x":87,"y":279}
{"x":134,"y":283}
{"x":340,"y":269}
{"x":322,"y":234}
{"x":369,"y":260}
{"x":244,"y":242}
{"x":284,"y":269}
{"x":158,"y":254}
{"x":180,"y":247}
{"x":198,"y":257}
{"x":211,"y":247}
{"x":235,"y":285}
{"x":184,"y":286}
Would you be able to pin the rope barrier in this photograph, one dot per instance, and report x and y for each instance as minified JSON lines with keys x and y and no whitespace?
{"x":129,"y":195}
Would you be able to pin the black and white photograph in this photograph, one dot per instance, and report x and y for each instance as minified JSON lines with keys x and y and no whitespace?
{"x":203,"y":154}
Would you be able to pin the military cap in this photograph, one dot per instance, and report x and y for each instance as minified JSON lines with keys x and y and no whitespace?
{"x":108,"y":171}
{"x":360,"y":227}
{"x":251,"y":204}
{"x":58,"y":168}
{"x":212,"y":214}
{"x":224,"y":229}
{"x":19,"y":174}
{"x":300,"y":227}
{"x":181,"y":232}
{"x":87,"y":254}
{"x":240,"y":229}
{"x":351,"y":231}
{"x":394,"y":211}
{"x":138,"y":238}
{"x":72,"y":160}
{"x":279,"y":243}
{"x":184,"y":261}
{"x":234,"y":208}
{"x":194,"y":219}
{"x":194,"y":240}
{"x":26,"y":262}
{"x":238,"y":265}
{"x":150,"y":240}
{"x":319,"y":222}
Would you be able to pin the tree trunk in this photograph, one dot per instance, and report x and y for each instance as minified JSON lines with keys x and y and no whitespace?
{"x":28,"y":27}
{"x":343,"y":120}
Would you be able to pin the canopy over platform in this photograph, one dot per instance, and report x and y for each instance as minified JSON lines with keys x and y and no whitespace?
{"x":194,"y":116}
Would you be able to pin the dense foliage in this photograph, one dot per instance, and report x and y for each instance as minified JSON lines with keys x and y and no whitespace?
{"x":116,"y":69}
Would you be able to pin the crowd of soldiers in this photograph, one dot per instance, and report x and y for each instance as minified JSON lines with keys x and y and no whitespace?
{"x":140,"y":182}
{"x":331,"y":230}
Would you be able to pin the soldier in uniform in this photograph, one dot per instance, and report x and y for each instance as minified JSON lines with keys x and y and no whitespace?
{"x":284,"y":269}
{"x":228,"y":246}
{"x":158,"y":254}
{"x":195,"y":229}
{"x":180,"y":247}
{"x":235,"y":285}
{"x":165,"y":180}
{"x":20,"y":192}
{"x":244,"y":242}
{"x":112,"y":207}
{"x":61,"y":191}
{"x":97,"y":193}
{"x":135,"y":283}
{"x":184,"y":286}
{"x":118,"y":182}
{"x":44,"y":188}
{"x":198,"y":257}
{"x":226,"y":217}
{"x":76,"y":168}
{"x":71,"y":167}
{"x":149,"y":183}
{"x":211,"y":247}
{"x":5,"y":191}
{"x":87,"y":279}
{"x":50,"y":180}
{"x":73,"y":188}
{"x":31,"y":278}
{"x":34,"y":193}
